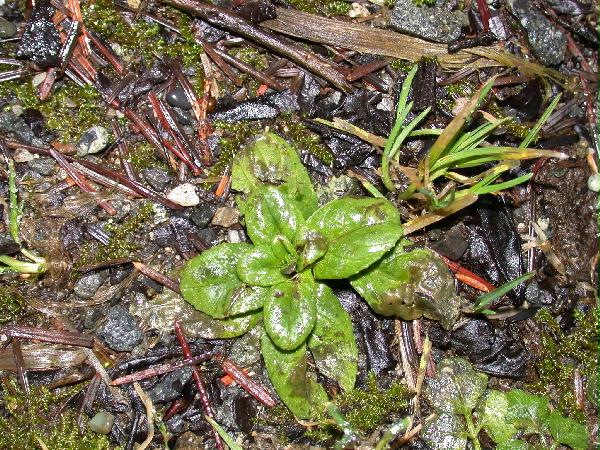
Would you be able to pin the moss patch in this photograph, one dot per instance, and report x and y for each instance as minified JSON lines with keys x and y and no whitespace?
{"x":24,"y":419}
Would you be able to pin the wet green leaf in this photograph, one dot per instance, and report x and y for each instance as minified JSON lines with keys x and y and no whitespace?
{"x":311,"y":246}
{"x":446,"y":431}
{"x":259,"y":266}
{"x":456,"y":388}
{"x":410,"y":285}
{"x":209,"y":282}
{"x":567,"y":431}
{"x":290,"y":311}
{"x":205,"y":327}
{"x":269,"y":213}
{"x":527,"y":412}
{"x":295,"y":385}
{"x":332,"y":342}
{"x":347,"y":214}
{"x":514,"y":444}
{"x":356,"y":250}
{"x":492,"y":417}
{"x":272,"y":161}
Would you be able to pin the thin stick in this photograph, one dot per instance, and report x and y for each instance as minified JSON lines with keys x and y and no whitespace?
{"x":149,"y":413}
{"x":247,"y":383}
{"x":53,"y":336}
{"x":157,"y":276}
{"x":20,"y":365}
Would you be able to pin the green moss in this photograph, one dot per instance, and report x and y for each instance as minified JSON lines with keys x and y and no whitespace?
{"x":302,"y":138}
{"x":560,"y":354}
{"x":143,"y":155}
{"x":513,"y":126}
{"x":365,"y":409}
{"x":234,"y":137}
{"x":24,"y":419}
{"x":12,"y":305}
{"x":424,"y":2}
{"x":124,"y":240}
{"x":401,"y":64}
{"x":327,"y":8}
{"x":69,"y":111}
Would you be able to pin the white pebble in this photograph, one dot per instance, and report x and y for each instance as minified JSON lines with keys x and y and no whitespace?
{"x":184,"y":195}
{"x":594,"y":183}
{"x":38,"y":79}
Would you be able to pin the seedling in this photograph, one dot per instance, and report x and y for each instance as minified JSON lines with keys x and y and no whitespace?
{"x":279,"y":280}
{"x":36,"y":264}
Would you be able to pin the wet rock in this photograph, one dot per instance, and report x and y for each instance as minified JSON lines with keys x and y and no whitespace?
{"x":7,"y":245}
{"x":433,"y":24}
{"x":102,"y":422}
{"x":35,"y":120}
{"x":189,"y":441}
{"x":16,"y":126}
{"x":547,"y":41}
{"x":266,"y":107}
{"x":170,"y":386}
{"x":7,"y":29}
{"x":184,"y":195}
{"x":93,"y":140}
{"x":71,"y":234}
{"x":203,"y":213}
{"x":40,"y":42}
{"x":209,"y":236}
{"x":120,"y":331}
{"x":256,"y":11}
{"x":156,"y":178}
{"x":453,"y":245}
{"x":43,"y":166}
{"x":176,"y":97}
{"x":119,"y":273}
{"x":593,"y":182}
{"x":226,"y":217}
{"x":38,"y":79}
{"x":88,"y":284}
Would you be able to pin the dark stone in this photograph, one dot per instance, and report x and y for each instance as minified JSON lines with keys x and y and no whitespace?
{"x":40,"y":42}
{"x":71,"y":234}
{"x":177,"y":97}
{"x":156,"y":178}
{"x":453,"y":245}
{"x":119,"y":273}
{"x":170,"y":386}
{"x":162,"y":236}
{"x":35,"y":120}
{"x":88,"y":284}
{"x":256,"y":11}
{"x":266,"y":107}
{"x":209,"y":236}
{"x":120,"y":331}
{"x":43,"y":166}
{"x":16,"y":126}
{"x":203,"y":214}
{"x":433,"y":24}
{"x":7,"y":245}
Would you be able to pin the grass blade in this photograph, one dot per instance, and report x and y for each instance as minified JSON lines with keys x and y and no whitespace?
{"x":533,"y":133}
{"x":427,"y":219}
{"x":490,"y":188}
{"x":488,"y":298}
{"x":449,"y":134}
{"x":224,"y":435}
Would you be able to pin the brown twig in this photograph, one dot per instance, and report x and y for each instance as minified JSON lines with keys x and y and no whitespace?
{"x":53,"y":336}
{"x":157,"y":276}
{"x":247,"y":383}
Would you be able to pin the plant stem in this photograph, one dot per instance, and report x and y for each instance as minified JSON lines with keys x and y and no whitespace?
{"x":22,"y":266}
{"x":471,"y":429}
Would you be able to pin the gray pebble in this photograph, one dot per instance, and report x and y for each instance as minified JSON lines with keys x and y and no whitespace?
{"x":88,"y":285}
{"x":433,"y":24}
{"x":171,"y":385}
{"x":156,"y":178}
{"x":547,"y":41}
{"x":594,"y":183}
{"x":209,"y":236}
{"x":43,"y":166}
{"x":7,"y":29}
{"x":177,"y":98}
{"x":120,"y":331}
{"x":93,"y":140}
{"x":7,"y":245}
{"x":203,"y":214}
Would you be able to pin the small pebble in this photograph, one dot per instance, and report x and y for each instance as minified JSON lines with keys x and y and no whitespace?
{"x":7,"y":29}
{"x":21,"y":156}
{"x":120,"y":330}
{"x":43,"y":166}
{"x":184,"y":195}
{"x":88,"y":285}
{"x":93,"y":140}
{"x":38,"y":79}
{"x":102,"y":422}
{"x":156,"y":178}
{"x":594,"y":183}
{"x":226,"y":217}
{"x":203,"y":214}
{"x":177,"y":98}
{"x":17,"y":110}
{"x":233,"y":236}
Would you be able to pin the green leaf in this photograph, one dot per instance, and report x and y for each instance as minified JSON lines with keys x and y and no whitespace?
{"x":488,"y":298}
{"x":357,"y":250}
{"x":457,"y":387}
{"x":290,"y":311}
{"x":493,"y":417}
{"x":527,"y":412}
{"x":209,"y":282}
{"x":410,"y":285}
{"x":332,"y":342}
{"x":224,"y":435}
{"x":269,"y":213}
{"x":206,"y":327}
{"x":311,"y":247}
{"x":567,"y":431}
{"x":514,"y":444}
{"x":259,"y":266}
{"x":446,"y":431}
{"x":295,"y":385}
{"x":347,"y":214}
{"x":272,"y":161}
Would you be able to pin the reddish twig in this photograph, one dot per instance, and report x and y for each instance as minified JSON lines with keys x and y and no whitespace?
{"x":20,"y":365}
{"x":484,"y":12}
{"x":53,"y":336}
{"x":199,"y":383}
{"x":157,"y":276}
{"x":247,"y":383}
